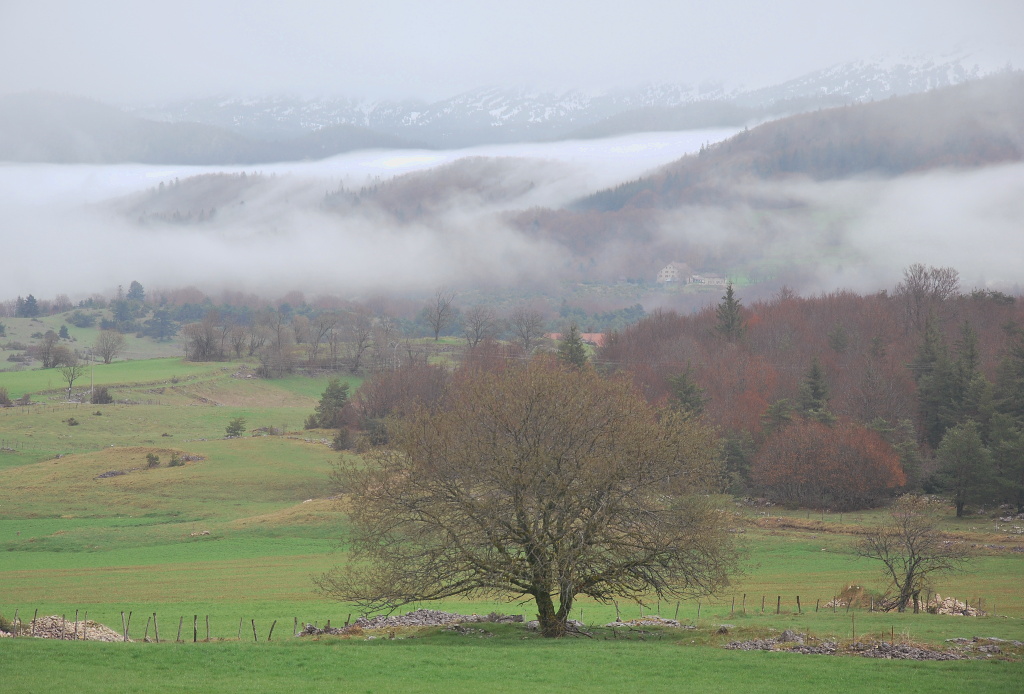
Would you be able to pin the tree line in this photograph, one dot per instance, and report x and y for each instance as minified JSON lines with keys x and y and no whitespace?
{"x":842,"y":400}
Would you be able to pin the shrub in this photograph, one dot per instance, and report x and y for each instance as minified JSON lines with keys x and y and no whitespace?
{"x":97,"y":413}
{"x":342,"y":440}
{"x":175,"y":461}
{"x":100,"y":396}
{"x":311,"y":422}
{"x":72,"y":422}
{"x":235,"y":427}
{"x":25,"y":399}
{"x":5,"y":400}
{"x":7,"y":626}
{"x":152,"y":460}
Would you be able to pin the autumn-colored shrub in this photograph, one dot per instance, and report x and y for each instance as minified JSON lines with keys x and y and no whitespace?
{"x":842,"y":467}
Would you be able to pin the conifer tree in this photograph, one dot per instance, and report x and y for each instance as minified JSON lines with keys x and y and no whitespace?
{"x":571,"y":349}
{"x":814,"y":395}
{"x":731,"y":325}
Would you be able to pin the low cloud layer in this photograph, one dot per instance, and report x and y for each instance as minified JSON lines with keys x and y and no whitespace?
{"x":68,"y":229}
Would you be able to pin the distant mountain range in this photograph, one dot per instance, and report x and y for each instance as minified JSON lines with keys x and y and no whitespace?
{"x":46,"y":128}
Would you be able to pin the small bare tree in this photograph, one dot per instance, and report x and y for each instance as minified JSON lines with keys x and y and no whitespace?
{"x":911,"y":548}
{"x":479,"y":323}
{"x":71,"y":369}
{"x":527,"y":325}
{"x":109,"y":343}
{"x":440,"y":312}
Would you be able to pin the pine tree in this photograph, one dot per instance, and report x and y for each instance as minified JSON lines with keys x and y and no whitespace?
{"x":685,"y":395}
{"x":814,"y":397}
{"x":571,"y":349}
{"x":731,"y":325}
{"x":328,"y":410}
{"x":965,"y":466}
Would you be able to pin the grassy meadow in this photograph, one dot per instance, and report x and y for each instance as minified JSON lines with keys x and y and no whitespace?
{"x":236,"y":532}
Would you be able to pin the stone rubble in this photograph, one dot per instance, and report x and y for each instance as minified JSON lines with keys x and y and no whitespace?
{"x":416,"y":618}
{"x":652,"y":620}
{"x":56,"y":627}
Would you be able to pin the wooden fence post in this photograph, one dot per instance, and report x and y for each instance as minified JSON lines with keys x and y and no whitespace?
{"x":195,"y":628}
{"x":75,"y":637}
{"x":762,"y":604}
{"x":16,"y":624}
{"x":240,"y":628}
{"x":85,"y":622}
{"x":255,"y":640}
{"x":181,"y":621}
{"x":207,"y":627}
{"x":295,"y":627}
{"x":677,"y":611}
{"x":778,"y":604}
{"x":156,"y":628}
{"x":145,"y":636}
{"x":816,"y":602}
{"x":798,"y":610}
{"x":128,"y":625}
{"x":698,"y":609}
{"x":744,"y":604}
{"x":271,"y":634}
{"x":732,"y":610}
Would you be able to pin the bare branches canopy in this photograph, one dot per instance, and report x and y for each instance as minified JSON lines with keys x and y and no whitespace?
{"x":536,"y":481}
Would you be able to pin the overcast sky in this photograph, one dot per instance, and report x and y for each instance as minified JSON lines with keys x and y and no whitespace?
{"x":140,"y":50}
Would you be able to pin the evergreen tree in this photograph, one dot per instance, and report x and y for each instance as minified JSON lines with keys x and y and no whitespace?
{"x":935,"y":374}
{"x":731,"y":325}
{"x":27,"y":307}
{"x":685,"y":395}
{"x":965,"y":466}
{"x":814,"y":398}
{"x":136,"y":292}
{"x":571,"y":349}
{"x":328,"y":410}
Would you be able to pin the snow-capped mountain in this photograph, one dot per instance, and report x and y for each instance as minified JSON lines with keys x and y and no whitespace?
{"x":492,"y":114}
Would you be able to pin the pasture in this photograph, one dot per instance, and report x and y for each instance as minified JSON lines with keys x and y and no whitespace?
{"x":236,"y":532}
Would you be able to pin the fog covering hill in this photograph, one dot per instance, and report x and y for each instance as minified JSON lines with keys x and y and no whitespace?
{"x":976,"y":124}
{"x":46,"y":128}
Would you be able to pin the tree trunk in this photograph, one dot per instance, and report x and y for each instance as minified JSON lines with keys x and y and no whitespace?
{"x":550,"y":623}
{"x":960,"y":509}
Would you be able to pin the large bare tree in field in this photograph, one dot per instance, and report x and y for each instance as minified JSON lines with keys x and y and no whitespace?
{"x":535,"y":482}
{"x":911,"y":548}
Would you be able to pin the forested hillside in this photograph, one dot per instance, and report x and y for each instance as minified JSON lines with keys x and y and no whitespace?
{"x":923,"y":368}
{"x":974,"y":124}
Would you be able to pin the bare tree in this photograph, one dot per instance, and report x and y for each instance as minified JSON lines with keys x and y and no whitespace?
{"x":539,"y":482}
{"x":478,"y":324}
{"x":439,"y":312}
{"x":527,"y":325}
{"x":911,"y":548}
{"x":924,"y":289}
{"x":71,"y":369}
{"x":359,"y":335}
{"x":109,"y":343}
{"x":319,"y":330}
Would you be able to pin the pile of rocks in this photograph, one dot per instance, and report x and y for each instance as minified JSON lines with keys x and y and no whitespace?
{"x":651,"y":621}
{"x":433,"y":618}
{"x":54,"y":627}
{"x":416,"y":618}
{"x":952,"y":606}
{"x":900,"y":651}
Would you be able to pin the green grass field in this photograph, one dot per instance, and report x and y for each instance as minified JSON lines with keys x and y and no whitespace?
{"x":237,"y":533}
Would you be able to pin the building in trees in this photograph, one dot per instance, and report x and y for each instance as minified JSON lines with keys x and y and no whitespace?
{"x":538,"y":481}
